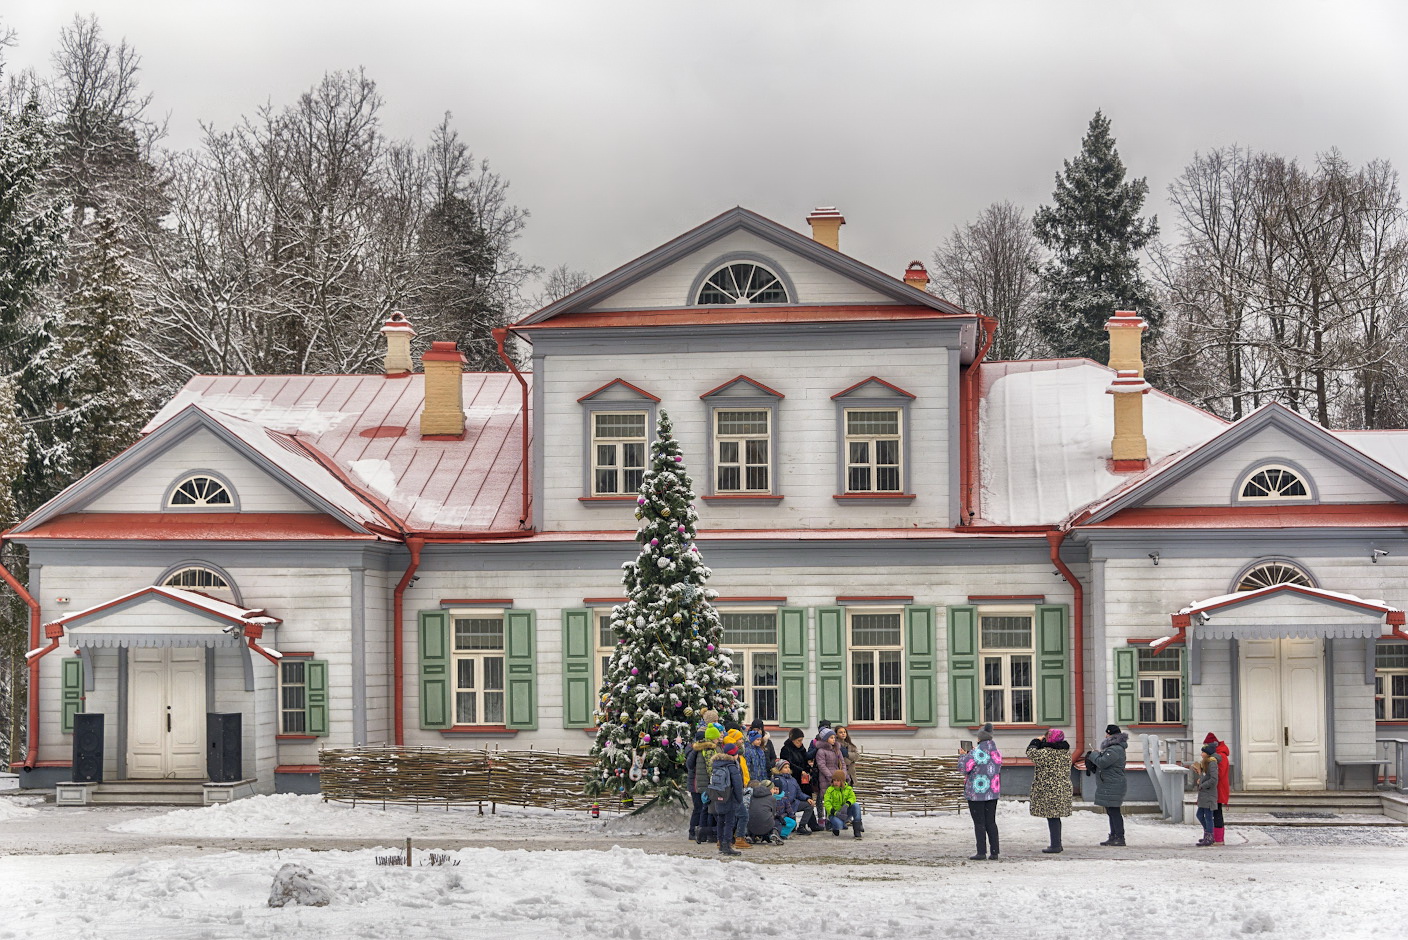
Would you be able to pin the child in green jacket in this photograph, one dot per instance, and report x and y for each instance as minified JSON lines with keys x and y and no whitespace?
{"x":840,"y":806}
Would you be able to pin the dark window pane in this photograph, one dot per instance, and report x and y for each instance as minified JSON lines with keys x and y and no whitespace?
{"x":992,"y":705}
{"x":1173,"y":688}
{"x":1146,"y":688}
{"x":631,"y":480}
{"x":295,"y":722}
{"x":606,"y":481}
{"x":858,"y":480}
{"x":464,"y":708}
{"x":1400,"y":709}
{"x":1400,"y":685}
{"x":728,"y":452}
{"x":1006,"y":633}
{"x":887,"y":452}
{"x":992,"y":671}
{"x":479,"y":633}
{"x":863,"y":669}
{"x":728,"y":478}
{"x":633,"y":455}
{"x":860,"y":452}
{"x":891,"y":704}
{"x":493,"y":708}
{"x":875,"y":630}
{"x":494,"y":672}
{"x":765,"y":704}
{"x":1173,"y":711}
{"x":1021,"y":672}
{"x":887,"y":479}
{"x":757,"y":478}
{"x":465,"y":674}
{"x":764,"y":669}
{"x":1022,"y":706}
{"x":757,"y":451}
{"x":891,"y":668}
{"x":863,"y":702}
{"x":750,"y":628}
{"x":1147,"y":712}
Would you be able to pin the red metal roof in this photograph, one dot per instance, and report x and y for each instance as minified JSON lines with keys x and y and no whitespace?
{"x":196,"y":526}
{"x":1358,"y":515}
{"x":735,"y":314}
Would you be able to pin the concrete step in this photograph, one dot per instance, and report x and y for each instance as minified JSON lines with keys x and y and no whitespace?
{"x":149,"y":793}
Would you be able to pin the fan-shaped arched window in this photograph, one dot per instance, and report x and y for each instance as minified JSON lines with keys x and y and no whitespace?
{"x":742,"y":282}
{"x":1274,"y":482}
{"x":1271,"y":573}
{"x":202,"y":579}
{"x":200,"y":490}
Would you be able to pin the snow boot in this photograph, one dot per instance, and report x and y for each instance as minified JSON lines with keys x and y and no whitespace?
{"x":980,"y":857}
{"x":1217,"y":834}
{"x":1051,"y":850}
{"x":1116,"y":841}
{"x":693,"y":831}
{"x":739,"y":843}
{"x":727,"y":849}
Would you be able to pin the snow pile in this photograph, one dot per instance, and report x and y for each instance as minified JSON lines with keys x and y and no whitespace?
{"x":302,"y":418}
{"x":296,"y":884}
{"x":376,"y":475}
{"x":658,"y":820}
{"x":16,"y":807}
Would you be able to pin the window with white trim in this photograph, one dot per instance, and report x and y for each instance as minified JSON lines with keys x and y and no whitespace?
{"x":202,"y":579}
{"x":1274,"y":482}
{"x":477,"y":654}
{"x":199,"y":491}
{"x":742,"y":282}
{"x":1271,"y":574}
{"x":293,"y":696}
{"x":618,"y":451}
{"x":605,"y":643}
{"x":1391,"y":682}
{"x":1008,"y":657}
{"x":742,"y":450}
{"x":876,"y":653}
{"x":1161,"y":686}
{"x":751,"y":635}
{"x":874,"y":438}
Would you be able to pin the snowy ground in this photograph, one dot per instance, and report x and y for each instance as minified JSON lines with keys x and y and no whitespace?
{"x":117,"y":873}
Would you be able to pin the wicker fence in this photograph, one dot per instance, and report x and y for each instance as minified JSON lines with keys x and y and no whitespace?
{"x":885,"y":783}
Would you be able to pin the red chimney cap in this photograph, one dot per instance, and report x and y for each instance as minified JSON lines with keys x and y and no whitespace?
{"x":443,"y":351}
{"x":1126,"y":319}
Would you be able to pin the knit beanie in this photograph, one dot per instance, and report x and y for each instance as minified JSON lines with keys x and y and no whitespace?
{"x":1112,"y":729}
{"x":1209,"y":749}
{"x":730,"y":749}
{"x":1055,"y":736}
{"x":756,"y":723}
{"x":826,"y":734}
{"x":1210,"y":739}
{"x":754,"y":736}
{"x":711,"y":733}
{"x":985,"y":732}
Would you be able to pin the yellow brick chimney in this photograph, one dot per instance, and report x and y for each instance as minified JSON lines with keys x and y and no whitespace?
{"x":398,"y":332}
{"x":1127,"y":329}
{"x":442,"y":418}
{"x":1129,"y":449}
{"x":826,"y":225}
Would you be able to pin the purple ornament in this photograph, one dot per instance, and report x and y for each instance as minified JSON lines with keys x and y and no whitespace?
{"x":636,"y":672}
{"x":681,"y":530}
{"x":654,"y":541}
{"x":679,"y":459}
{"x":640,"y":500}
{"x":645,"y":739}
{"x":710,"y":647}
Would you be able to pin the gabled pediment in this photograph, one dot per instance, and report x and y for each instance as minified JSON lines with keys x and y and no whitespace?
{"x":873,"y":389}
{"x":619,"y":390}
{"x":161,"y":616}
{"x":741,"y":387}
{"x":671,"y":275}
{"x":1214,"y":473}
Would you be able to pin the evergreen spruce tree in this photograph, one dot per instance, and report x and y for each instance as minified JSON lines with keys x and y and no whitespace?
{"x":1094,"y":232}
{"x":668,"y":667}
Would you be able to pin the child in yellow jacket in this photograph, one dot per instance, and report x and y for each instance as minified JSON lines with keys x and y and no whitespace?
{"x":840,"y":806}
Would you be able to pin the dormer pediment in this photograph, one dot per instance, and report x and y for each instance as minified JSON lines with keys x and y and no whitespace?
{"x":741,"y":387}
{"x":619,"y":390}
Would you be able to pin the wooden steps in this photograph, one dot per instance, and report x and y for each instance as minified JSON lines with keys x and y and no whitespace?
{"x":149,"y":793}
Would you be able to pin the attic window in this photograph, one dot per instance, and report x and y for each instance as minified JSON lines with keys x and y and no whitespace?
{"x":742,"y":282}
{"x":1271,"y":574}
{"x":198,"y":491}
{"x":1274,"y":483}
{"x":202,"y":579}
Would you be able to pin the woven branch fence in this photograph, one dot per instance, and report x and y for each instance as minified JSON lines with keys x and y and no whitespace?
{"x":432,"y":775}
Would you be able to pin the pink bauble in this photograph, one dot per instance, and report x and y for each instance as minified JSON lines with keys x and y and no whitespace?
{"x":635,"y":671}
{"x":710,"y":647}
{"x":681,"y":530}
{"x":645,"y":739}
{"x":640,"y":500}
{"x":679,"y":459}
{"x":654,"y":541}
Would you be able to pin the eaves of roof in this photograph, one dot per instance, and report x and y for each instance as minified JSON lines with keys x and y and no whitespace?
{"x":742,"y":316}
{"x":193,"y":526}
{"x":1356,"y":515}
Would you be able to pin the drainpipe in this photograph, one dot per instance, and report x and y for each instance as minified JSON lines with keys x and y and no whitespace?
{"x":500,"y":335}
{"x":1077,"y":628}
{"x":253,"y":632}
{"x":398,"y":654}
{"x":31,"y":751}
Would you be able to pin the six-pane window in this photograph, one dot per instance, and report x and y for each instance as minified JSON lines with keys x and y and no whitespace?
{"x":873,"y":442}
{"x":478,"y":643}
{"x":293,"y":697}
{"x":752,"y":636}
{"x":618,"y":452}
{"x":1161,"y":686}
{"x":877,"y":665}
{"x":743,"y":442}
{"x":1008,"y":661}
{"x":1391,"y":682}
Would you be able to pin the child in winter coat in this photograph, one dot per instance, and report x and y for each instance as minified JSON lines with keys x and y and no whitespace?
{"x":784,"y":823}
{"x":1207,"y":770}
{"x":794,"y":798}
{"x":728,"y":776}
{"x":755,"y":756}
{"x":762,"y":815}
{"x":841,"y":807}
{"x":734,"y":736}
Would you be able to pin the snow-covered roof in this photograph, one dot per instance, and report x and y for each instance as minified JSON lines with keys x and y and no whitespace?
{"x":1044,"y":437}
{"x":221,"y":610}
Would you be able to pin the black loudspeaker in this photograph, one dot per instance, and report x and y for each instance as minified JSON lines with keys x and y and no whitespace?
{"x":224,"y":755}
{"x":87,"y":748}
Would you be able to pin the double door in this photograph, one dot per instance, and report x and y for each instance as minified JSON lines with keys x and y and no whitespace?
{"x":166,"y":713}
{"x":1283,"y":714}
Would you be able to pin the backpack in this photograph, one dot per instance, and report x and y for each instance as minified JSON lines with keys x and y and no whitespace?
{"x":720,"y":788}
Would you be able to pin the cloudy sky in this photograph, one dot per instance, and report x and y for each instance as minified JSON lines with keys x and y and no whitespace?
{"x":619,"y":124}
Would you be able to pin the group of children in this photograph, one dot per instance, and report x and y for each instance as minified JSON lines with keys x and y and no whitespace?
{"x":743,"y":795}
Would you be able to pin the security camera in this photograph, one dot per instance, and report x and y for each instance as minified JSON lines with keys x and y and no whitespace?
{"x":1154,"y":556}
{"x":1377,"y":554}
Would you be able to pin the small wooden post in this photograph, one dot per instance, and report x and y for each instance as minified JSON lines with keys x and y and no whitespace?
{"x":408,"y":851}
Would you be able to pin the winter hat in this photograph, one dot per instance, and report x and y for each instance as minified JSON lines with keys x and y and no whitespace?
{"x":730,"y":748}
{"x":1210,"y":739}
{"x":1055,"y":736}
{"x":782,"y":765}
{"x":1209,"y":749}
{"x":734,"y":736}
{"x":710,"y":716}
{"x":756,"y":723}
{"x":822,"y":724}
{"x":711,"y":733}
{"x":826,"y":734}
{"x":754,"y":736}
{"x":985,"y":732}
{"x":1112,"y":729}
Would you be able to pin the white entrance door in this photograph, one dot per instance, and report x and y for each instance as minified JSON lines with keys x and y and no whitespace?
{"x":166,"y":713}
{"x":1283,"y":714}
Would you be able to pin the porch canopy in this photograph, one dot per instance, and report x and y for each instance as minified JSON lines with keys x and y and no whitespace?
{"x":162,"y":616}
{"x":1282,"y":611}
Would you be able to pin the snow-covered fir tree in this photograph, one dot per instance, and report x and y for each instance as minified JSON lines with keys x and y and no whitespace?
{"x":1094,"y":232}
{"x":668,"y":667}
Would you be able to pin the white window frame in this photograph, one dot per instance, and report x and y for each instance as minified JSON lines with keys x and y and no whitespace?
{"x":287,"y":711}
{"x":224,"y":590}
{"x":480,"y":659}
{"x":1385,"y":698}
{"x":601,"y":653}
{"x":618,"y":444}
{"x":743,"y":662}
{"x":1158,"y":697}
{"x":221,"y":485}
{"x":872,"y":652}
{"x":741,"y":441}
{"x":871,"y":464}
{"x":1007,"y":656}
{"x":746,"y":293}
{"x":1295,"y":476}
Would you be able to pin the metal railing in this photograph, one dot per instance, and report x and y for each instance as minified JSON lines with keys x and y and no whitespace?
{"x":1395,"y":774}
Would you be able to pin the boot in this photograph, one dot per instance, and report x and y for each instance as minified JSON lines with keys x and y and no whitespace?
{"x":980,"y":857}
{"x":1054,"y":827}
{"x":727,"y":849}
{"x":1205,"y":840}
{"x":1116,"y":841}
{"x":740,"y":843}
{"x":1051,"y":850}
{"x":1217,"y":833}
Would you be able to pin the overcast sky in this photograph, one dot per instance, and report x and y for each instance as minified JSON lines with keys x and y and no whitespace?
{"x":621,"y":124}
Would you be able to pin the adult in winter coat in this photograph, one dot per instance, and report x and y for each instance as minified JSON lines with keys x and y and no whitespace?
{"x":794,"y":751}
{"x":1224,"y":785}
{"x":726,"y":810}
{"x":1051,"y":783}
{"x":829,"y":758}
{"x":702,"y":755}
{"x":982,"y":783}
{"x":1110,"y":782}
{"x":850,"y":750}
{"x":1207,"y":779}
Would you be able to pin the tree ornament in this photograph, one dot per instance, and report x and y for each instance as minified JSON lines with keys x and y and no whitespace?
{"x":665,"y":512}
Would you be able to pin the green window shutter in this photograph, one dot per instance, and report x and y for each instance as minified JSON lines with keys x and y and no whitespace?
{"x":521,"y":669}
{"x":434,"y":669}
{"x":1052,"y":665}
{"x":831,"y":664}
{"x":578,"y":694}
{"x":921,"y":667}
{"x":72,"y":701}
{"x":1183,"y":706}
{"x":962,"y":665}
{"x":1126,"y":684}
{"x":792,"y":667}
{"x":316,"y":674}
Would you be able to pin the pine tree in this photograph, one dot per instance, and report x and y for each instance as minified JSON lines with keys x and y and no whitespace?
{"x":1093,"y":232}
{"x":668,"y":667}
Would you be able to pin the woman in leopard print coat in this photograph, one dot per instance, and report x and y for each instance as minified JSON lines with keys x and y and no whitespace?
{"x":1051,"y":783}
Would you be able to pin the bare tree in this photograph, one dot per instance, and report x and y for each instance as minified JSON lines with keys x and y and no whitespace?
{"x":560,"y":282}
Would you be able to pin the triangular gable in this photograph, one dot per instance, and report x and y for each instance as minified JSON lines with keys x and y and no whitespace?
{"x":187,"y":603}
{"x":741,"y":386}
{"x":873,"y":387}
{"x":1271,"y":416}
{"x":618,"y":390}
{"x":718,"y":227}
{"x":278,"y":455}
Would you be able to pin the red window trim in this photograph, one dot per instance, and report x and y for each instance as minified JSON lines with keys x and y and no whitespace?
{"x":476,"y":602}
{"x":894,"y":496}
{"x":1161,"y":725}
{"x":1390,"y":721}
{"x":479,"y":729}
{"x":297,"y":654}
{"x":903,"y":598}
{"x":607,"y":499}
{"x":295,"y":737}
{"x":1025,"y":727}
{"x":743,"y":497}
{"x":297,"y":769}
{"x":990,"y":598}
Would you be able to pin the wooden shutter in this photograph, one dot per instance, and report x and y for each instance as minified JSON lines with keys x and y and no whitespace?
{"x":578,"y":649}
{"x":434,"y":669}
{"x":1126,"y":684}
{"x":72,"y":701}
{"x":921,"y":667}
{"x":831,"y":664}
{"x":792,"y":667}
{"x":316,"y":675}
{"x":1052,"y":665}
{"x":521,"y":669}
{"x":962,"y":665}
{"x":1183,"y":687}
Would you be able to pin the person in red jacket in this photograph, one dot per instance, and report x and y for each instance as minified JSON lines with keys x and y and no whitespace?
{"x":1224,"y":785}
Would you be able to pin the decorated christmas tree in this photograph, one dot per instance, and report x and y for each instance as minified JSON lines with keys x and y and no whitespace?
{"x":668,"y":667}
